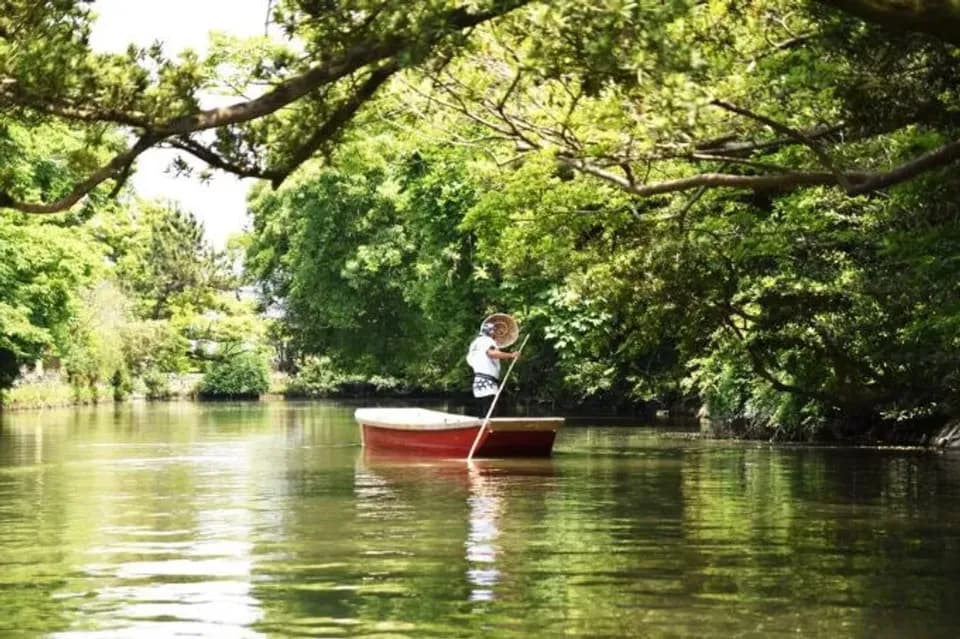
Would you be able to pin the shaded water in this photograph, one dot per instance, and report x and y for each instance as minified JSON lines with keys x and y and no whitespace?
{"x":269,"y":521}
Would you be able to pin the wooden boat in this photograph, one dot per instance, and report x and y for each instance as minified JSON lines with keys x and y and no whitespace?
{"x":431,"y":433}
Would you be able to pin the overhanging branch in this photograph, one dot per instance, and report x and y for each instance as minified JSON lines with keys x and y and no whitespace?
{"x":337,"y":120}
{"x":946,"y":154}
{"x":217,"y":161}
{"x":118,"y":167}
{"x":727,"y":150}
{"x":858,"y":182}
{"x":395,"y":52}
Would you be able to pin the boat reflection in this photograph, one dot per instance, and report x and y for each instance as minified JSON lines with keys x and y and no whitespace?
{"x":485,"y":487}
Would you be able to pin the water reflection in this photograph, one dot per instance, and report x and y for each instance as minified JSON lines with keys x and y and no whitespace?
{"x":241,"y":521}
{"x":165,"y":565}
{"x":485,"y":506}
{"x":478,"y":492}
{"x":146,"y":518}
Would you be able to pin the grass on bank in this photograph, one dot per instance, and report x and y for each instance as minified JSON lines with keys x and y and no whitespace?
{"x":52,"y":392}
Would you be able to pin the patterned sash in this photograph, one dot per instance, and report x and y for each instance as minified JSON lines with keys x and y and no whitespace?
{"x":483,"y":384}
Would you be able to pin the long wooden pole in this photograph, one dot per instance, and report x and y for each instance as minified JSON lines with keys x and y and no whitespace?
{"x":486,"y":420}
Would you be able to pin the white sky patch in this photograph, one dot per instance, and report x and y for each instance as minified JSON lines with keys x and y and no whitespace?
{"x":219,"y":204}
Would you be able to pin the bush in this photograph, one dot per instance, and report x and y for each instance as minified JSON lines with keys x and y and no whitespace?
{"x":153,"y":345}
{"x":243,"y":376}
{"x":122,"y":384}
{"x":318,"y":377}
{"x":158,"y":384}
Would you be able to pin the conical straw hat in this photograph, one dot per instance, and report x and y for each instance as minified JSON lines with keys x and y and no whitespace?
{"x":506,"y":331}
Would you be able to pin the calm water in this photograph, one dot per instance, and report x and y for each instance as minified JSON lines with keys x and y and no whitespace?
{"x":268,"y":521}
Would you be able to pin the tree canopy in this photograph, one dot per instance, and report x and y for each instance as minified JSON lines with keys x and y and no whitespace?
{"x":747,"y":205}
{"x":728,"y":202}
{"x":694,"y":87}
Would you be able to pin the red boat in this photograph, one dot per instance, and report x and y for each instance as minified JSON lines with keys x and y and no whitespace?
{"x":431,"y":433}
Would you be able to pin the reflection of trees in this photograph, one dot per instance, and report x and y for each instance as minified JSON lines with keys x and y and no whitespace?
{"x":267,"y":516}
{"x":33,"y":532}
{"x":377,"y":544}
{"x":134,"y":517}
{"x":597,"y":560}
{"x":818,"y":540}
{"x":414,"y":517}
{"x":430,"y":547}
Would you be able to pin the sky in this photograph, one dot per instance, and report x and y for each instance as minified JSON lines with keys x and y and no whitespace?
{"x":219,"y":204}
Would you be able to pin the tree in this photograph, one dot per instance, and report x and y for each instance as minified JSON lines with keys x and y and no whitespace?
{"x":165,"y":262}
{"x":347,"y":51}
{"x":44,"y":262}
{"x":42,"y":266}
{"x":90,"y":343}
{"x":673,"y":97}
{"x":791,"y":312}
{"x":344,"y":52}
{"x":369,"y":261}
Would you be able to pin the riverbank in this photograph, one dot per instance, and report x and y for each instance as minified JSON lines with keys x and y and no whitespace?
{"x":42,"y":394}
{"x":55,"y":392}
{"x":50,"y":394}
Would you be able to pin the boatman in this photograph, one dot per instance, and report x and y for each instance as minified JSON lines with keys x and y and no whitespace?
{"x":484,"y":358}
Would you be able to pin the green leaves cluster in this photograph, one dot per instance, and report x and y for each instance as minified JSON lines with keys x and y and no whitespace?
{"x":369,"y":262}
{"x":41,"y":266}
{"x":111,"y":291}
{"x":240,"y":376}
{"x":164,"y":260}
{"x":788,"y":309}
{"x":745,"y":204}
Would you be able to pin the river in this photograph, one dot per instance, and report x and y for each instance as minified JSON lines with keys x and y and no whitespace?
{"x":267,"y":520}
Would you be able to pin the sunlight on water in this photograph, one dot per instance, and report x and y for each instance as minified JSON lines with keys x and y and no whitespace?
{"x":182,"y":520}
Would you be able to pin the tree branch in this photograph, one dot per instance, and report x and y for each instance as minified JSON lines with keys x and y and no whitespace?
{"x":860,"y":182}
{"x":946,"y":154}
{"x":337,"y":120}
{"x":813,"y":145}
{"x":11,"y":93}
{"x":401,"y":50}
{"x":217,"y":161}
{"x":299,"y":86}
{"x":940,"y":18}
{"x":853,"y":182}
{"x":117,"y":167}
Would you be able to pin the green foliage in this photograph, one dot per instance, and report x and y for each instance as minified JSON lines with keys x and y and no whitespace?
{"x":74,"y":286}
{"x":40,"y":394}
{"x":794,"y":313}
{"x":122,"y":384}
{"x":228,"y":324}
{"x":165,"y":263}
{"x":90,"y":346}
{"x":153,"y":345}
{"x":243,"y":375}
{"x":517,"y":174}
{"x":374,"y":272}
{"x":157,"y":384}
{"x":318,"y":377}
{"x":43,"y":262}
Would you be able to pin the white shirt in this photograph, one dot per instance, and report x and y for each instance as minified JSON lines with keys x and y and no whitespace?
{"x":478,"y":359}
